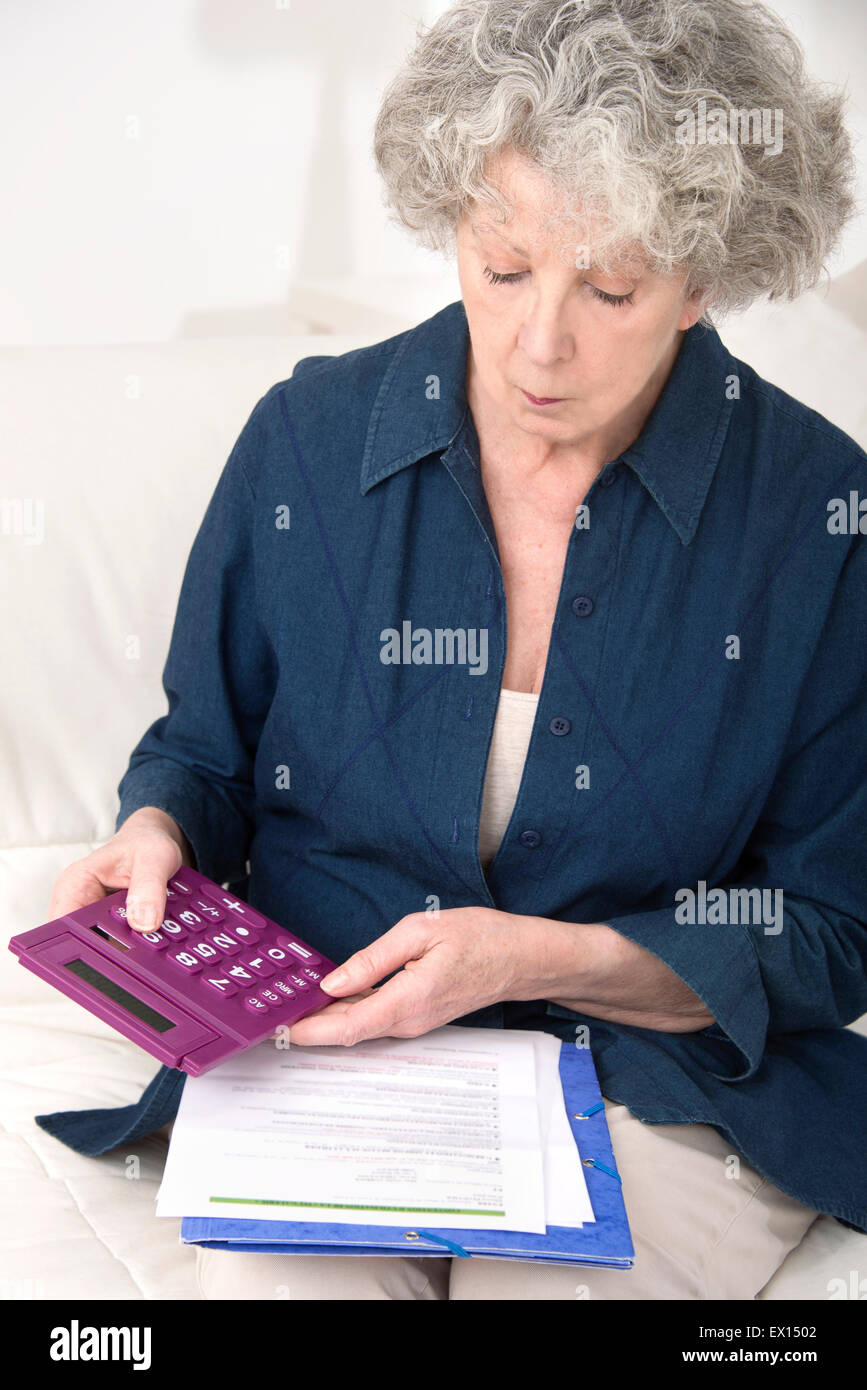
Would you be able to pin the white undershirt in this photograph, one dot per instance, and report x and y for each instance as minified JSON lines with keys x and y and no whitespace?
{"x":516,"y":712}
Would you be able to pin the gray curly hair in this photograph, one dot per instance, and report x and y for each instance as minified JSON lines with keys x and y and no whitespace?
{"x":597,"y":94}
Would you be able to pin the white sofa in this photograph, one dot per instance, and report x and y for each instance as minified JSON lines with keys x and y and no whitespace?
{"x":122,"y":446}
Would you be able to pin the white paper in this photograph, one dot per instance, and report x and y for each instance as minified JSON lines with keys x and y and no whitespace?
{"x":438,"y":1131}
{"x":567,"y":1201}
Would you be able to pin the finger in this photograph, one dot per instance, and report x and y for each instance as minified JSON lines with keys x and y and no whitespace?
{"x":406,"y":940}
{"x":375,"y":1016}
{"x":340,"y":1006}
{"x":154,"y":862}
{"x":282,"y":1029}
{"x":77,"y":886}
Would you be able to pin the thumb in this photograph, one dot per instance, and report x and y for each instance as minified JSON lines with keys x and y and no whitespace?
{"x":405,"y":941}
{"x":152,"y":867}
{"x":339,"y":1006}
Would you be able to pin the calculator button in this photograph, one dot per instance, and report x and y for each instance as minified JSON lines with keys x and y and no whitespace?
{"x":278,"y":956}
{"x":244,"y":934}
{"x":298,"y":981}
{"x":255,"y":1004}
{"x":224,"y":942}
{"x":220,"y":984}
{"x":173,"y":929}
{"x":178,"y":886}
{"x":274,"y":1001}
{"x":286,"y":990}
{"x":259,"y":965}
{"x":303,"y":953}
{"x":119,"y":913}
{"x":190,"y":919}
{"x":234,"y":909}
{"x":208,"y":910}
{"x":204,"y":951}
{"x":153,"y":939}
{"x":241,"y":973}
{"x":185,"y":959}
{"x":310,"y":974}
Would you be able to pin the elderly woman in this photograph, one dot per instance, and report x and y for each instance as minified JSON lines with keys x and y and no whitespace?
{"x":561,"y":651}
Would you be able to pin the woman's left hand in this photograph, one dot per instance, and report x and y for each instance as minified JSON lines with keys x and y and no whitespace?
{"x":454,"y":962}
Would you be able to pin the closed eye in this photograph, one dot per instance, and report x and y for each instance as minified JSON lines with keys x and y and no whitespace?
{"x":496,"y":277}
{"x":615,"y":299}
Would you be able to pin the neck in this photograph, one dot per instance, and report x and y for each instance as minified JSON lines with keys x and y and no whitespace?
{"x":526,"y":458}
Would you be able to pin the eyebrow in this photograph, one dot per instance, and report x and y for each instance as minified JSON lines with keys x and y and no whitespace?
{"x":626,"y":273}
{"x":486,"y":227}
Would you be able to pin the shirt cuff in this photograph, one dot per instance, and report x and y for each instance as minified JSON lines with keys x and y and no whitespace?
{"x":217,"y":832}
{"x":722,"y":969}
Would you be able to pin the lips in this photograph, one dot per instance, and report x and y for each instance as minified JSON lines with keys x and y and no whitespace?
{"x":541,"y":400}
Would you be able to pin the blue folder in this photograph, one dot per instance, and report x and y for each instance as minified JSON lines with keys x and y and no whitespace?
{"x":606,"y":1241}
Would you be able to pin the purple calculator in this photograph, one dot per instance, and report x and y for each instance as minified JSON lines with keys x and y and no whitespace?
{"x":216,"y":978}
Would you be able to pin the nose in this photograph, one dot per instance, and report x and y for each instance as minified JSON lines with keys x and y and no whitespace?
{"x":545,"y":337}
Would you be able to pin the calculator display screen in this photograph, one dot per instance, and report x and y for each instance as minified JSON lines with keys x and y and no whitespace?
{"x":120,"y":995}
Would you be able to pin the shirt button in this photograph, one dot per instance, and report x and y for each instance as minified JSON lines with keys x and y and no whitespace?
{"x":559,"y":725}
{"x":608,"y":476}
{"x":582,"y":606}
{"x":530,"y":838}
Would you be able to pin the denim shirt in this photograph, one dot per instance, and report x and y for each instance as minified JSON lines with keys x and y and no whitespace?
{"x":332,"y":683}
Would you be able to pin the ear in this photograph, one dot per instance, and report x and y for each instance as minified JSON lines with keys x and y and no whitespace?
{"x":693,"y":307}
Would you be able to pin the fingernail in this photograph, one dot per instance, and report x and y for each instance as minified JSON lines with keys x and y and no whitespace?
{"x":336,"y":980}
{"x":143,"y":913}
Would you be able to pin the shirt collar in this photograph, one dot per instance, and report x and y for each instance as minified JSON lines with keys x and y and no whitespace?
{"x":421,"y":406}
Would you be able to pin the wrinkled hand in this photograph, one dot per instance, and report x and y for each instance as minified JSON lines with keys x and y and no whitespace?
{"x":453,"y":963}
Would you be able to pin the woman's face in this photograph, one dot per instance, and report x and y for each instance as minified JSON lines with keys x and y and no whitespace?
{"x":602,"y":345}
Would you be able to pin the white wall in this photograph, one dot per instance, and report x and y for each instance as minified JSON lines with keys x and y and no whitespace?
{"x":187,"y":167}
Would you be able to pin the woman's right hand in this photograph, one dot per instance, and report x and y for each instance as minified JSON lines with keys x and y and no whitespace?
{"x":141,"y":857}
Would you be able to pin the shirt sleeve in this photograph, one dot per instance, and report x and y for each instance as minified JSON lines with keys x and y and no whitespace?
{"x":804,"y":964}
{"x":196,"y":762}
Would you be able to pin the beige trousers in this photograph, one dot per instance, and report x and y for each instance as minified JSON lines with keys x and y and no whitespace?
{"x":704,"y":1225}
